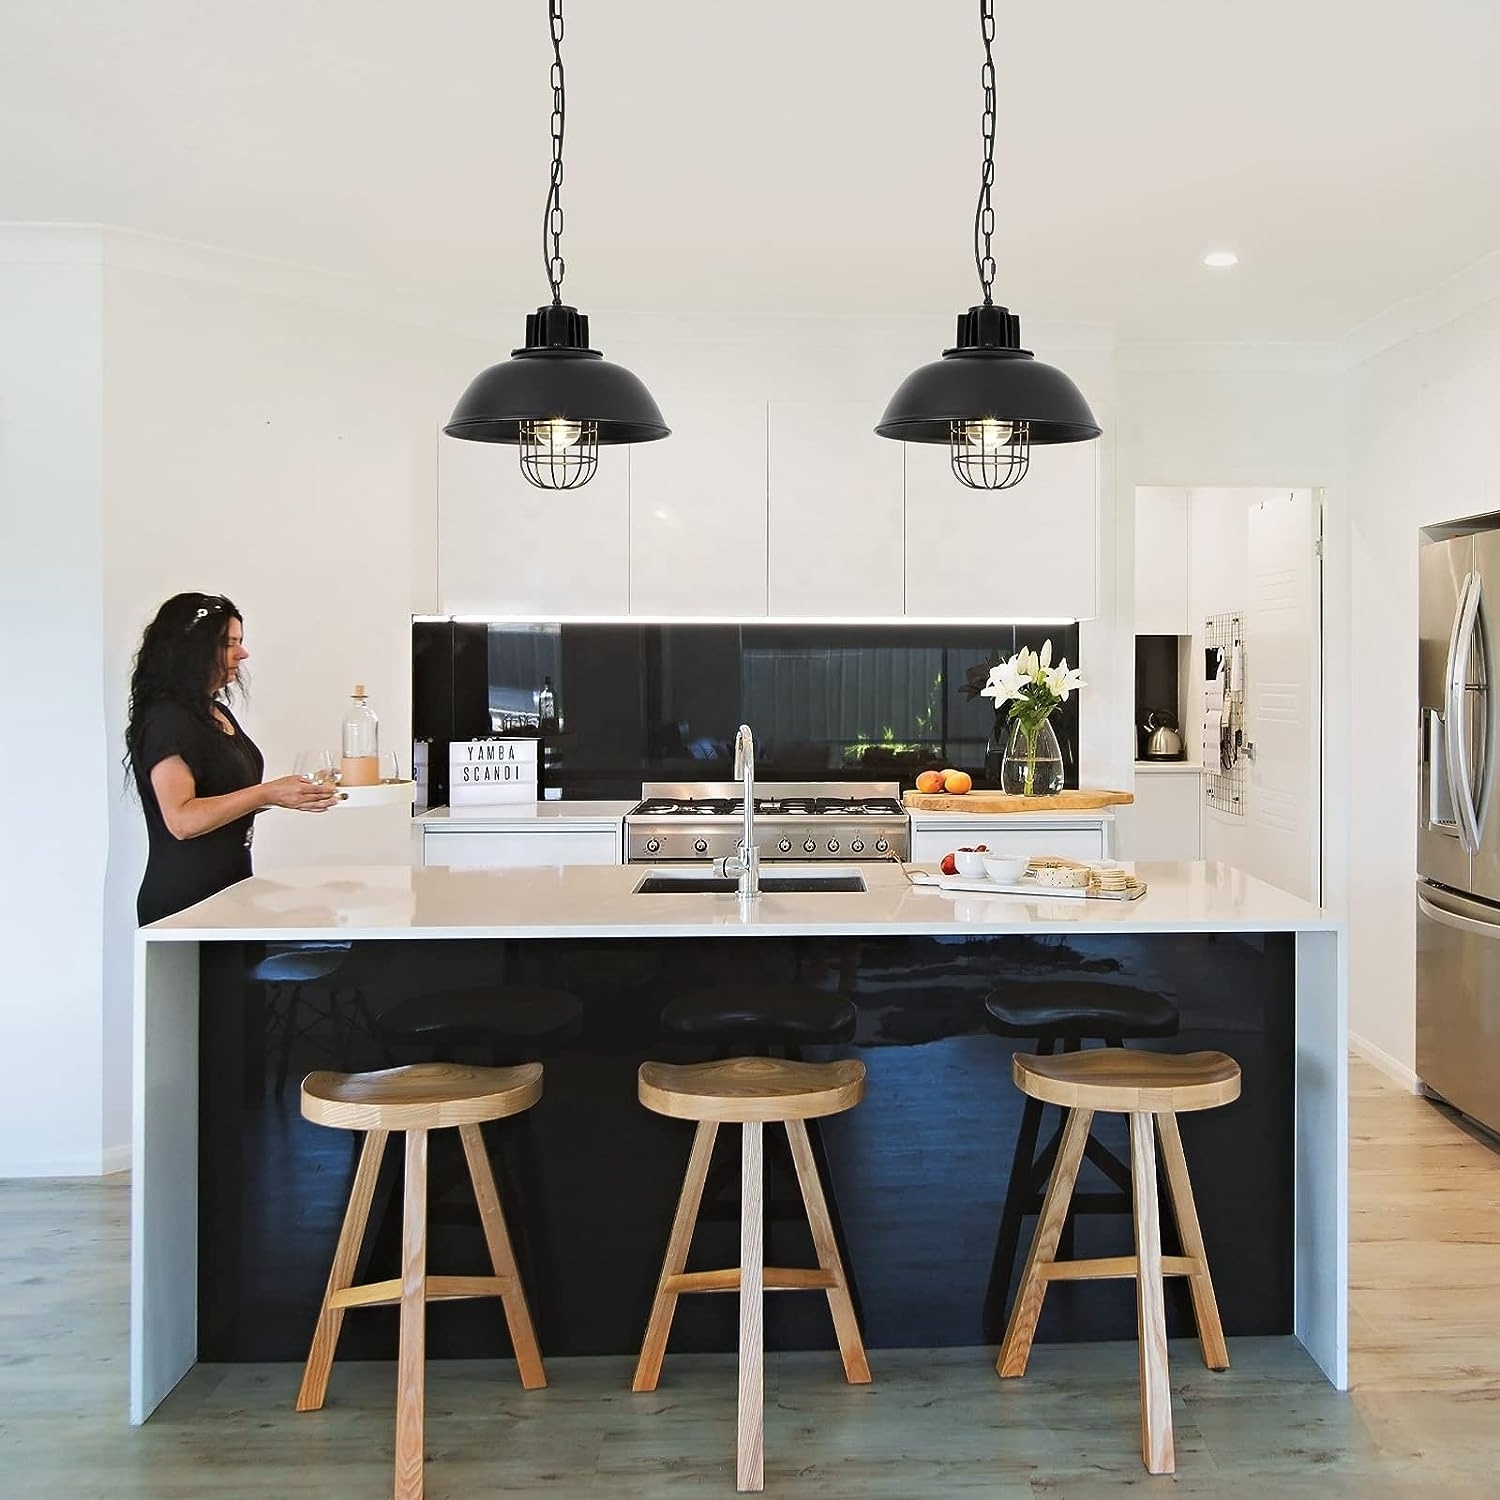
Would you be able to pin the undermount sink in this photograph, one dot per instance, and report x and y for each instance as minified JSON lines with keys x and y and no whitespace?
{"x":694,"y":882}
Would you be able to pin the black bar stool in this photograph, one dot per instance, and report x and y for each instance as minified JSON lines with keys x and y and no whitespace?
{"x":1061,"y":1015}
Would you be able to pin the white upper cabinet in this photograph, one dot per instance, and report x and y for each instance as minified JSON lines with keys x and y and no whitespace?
{"x":506,"y":547}
{"x":698,"y":511}
{"x":834,"y":529}
{"x":1030,"y":552}
{"x":1161,"y":562}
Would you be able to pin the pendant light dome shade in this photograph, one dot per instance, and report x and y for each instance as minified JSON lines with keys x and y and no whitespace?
{"x":556,"y":378}
{"x":987,"y":378}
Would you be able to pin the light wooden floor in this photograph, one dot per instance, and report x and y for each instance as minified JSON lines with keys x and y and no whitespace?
{"x":1422,"y":1420}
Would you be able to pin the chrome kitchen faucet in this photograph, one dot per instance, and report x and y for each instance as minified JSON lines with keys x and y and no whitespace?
{"x":745,"y":861}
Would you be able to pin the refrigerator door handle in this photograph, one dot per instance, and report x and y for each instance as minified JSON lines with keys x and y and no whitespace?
{"x":1460,"y":777}
{"x":1454,"y":919}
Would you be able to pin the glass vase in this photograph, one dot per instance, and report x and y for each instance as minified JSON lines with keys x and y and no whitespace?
{"x":1033,"y":765}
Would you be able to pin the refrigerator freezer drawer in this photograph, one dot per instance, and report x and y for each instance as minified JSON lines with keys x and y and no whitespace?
{"x":1458,"y":1002}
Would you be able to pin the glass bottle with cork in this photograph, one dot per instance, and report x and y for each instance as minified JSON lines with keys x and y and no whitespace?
{"x":359,"y":764}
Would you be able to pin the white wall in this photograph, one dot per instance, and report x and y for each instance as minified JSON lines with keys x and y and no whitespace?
{"x":223,"y":425}
{"x":54,"y":762}
{"x":1423,"y":450}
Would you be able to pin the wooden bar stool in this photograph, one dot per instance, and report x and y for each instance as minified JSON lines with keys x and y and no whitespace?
{"x":1147,"y":1086}
{"x":751,"y":1091}
{"x":1061,"y":1015}
{"x":417,"y":1099}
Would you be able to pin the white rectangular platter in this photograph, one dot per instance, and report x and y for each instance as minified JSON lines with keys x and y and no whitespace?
{"x":1025,"y":886}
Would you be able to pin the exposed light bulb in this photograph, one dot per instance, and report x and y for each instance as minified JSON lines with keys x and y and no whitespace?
{"x":1221,"y":259}
{"x":988,"y":435}
{"x":556,"y":434}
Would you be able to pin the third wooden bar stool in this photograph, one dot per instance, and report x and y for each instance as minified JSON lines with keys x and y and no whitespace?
{"x":1148,"y":1086}
{"x":749,"y":1092}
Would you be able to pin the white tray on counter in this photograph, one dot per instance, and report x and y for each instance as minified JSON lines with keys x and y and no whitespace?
{"x":383,"y":794}
{"x":1027,"y":885}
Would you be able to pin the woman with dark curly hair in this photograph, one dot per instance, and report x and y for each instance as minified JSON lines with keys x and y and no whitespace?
{"x":197,"y":771}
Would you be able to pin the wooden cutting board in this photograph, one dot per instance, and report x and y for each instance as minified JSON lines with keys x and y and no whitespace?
{"x":1076,"y":800}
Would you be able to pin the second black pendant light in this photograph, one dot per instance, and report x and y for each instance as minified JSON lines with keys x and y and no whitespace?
{"x":556,"y":399}
{"x":987,"y":398}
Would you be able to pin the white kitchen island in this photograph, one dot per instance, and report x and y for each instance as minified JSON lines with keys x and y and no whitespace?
{"x":397,"y":904}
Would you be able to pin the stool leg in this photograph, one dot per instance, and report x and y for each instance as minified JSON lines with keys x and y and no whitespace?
{"x":351,"y":1236}
{"x":664,"y":1304}
{"x":750,"y":1440}
{"x":840,"y":1303}
{"x":410,"y":1361}
{"x":503,"y":1258}
{"x":1020,"y":1191}
{"x":1016,"y":1349}
{"x":1150,"y":1301}
{"x":1185,"y":1211}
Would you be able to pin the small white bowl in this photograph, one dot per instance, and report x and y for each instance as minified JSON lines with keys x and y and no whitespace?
{"x":1004,"y":869}
{"x":969,"y":864}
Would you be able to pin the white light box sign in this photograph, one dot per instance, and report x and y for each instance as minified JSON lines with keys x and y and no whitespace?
{"x":481,"y":771}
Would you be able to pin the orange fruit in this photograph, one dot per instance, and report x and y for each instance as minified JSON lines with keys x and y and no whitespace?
{"x":930,"y":781}
{"x":957,"y":782}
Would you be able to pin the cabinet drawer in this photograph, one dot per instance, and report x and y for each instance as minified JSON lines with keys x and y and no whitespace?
{"x":476,"y":850}
{"x":932,"y":843}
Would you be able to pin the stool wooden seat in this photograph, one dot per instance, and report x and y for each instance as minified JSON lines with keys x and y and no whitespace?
{"x":1148,"y":1086}
{"x":1061,"y":1015}
{"x":751,"y":1091}
{"x":416,"y":1099}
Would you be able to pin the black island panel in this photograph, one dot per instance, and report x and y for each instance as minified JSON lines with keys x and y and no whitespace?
{"x":590,"y":1178}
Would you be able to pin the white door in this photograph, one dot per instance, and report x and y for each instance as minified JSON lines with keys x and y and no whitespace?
{"x":1283,"y":685}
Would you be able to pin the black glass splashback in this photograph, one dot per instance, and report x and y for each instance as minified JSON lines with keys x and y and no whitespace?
{"x":634,"y":703}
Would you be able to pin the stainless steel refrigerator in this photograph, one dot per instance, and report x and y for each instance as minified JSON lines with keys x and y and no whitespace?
{"x":1458,"y":830}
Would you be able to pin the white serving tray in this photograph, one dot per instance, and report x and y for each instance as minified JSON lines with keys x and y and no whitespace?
{"x":383,"y":794}
{"x":1027,"y":885}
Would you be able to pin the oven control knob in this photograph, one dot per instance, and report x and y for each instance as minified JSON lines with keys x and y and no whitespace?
{"x":882,"y":846}
{"x":785,"y":845}
{"x":700,"y":846}
{"x":857,"y":846}
{"x":810,"y":846}
{"x":653,"y":846}
{"x":833,"y":846}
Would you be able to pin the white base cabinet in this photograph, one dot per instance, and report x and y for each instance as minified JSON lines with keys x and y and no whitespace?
{"x":543,"y":833}
{"x":1167,"y":815}
{"x":1010,"y":833}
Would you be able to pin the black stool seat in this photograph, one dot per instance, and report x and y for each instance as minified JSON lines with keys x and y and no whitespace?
{"x":1079,"y":1009}
{"x":298,"y":965}
{"x":512,"y":1017}
{"x":736,"y":1015}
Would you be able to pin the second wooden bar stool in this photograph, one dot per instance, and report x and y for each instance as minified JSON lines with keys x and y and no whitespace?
{"x":750,"y":1092}
{"x":416,"y":1099}
{"x":1149,"y":1087}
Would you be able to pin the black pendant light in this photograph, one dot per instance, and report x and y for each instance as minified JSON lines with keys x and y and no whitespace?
{"x":558,"y":400}
{"x":987,"y":398}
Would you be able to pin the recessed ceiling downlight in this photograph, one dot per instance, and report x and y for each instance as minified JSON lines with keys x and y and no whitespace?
{"x":1221,"y":259}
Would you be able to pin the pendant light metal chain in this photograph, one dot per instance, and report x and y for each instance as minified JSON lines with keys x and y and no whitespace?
{"x":984,"y":213}
{"x":552,"y":219}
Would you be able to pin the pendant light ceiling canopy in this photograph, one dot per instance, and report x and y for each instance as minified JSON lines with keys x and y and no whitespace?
{"x":555,"y":398}
{"x":987,"y":398}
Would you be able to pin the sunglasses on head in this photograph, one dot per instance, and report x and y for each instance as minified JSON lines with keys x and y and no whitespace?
{"x":210,"y":606}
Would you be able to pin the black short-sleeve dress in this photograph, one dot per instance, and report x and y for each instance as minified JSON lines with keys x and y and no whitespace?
{"x":180,"y":872}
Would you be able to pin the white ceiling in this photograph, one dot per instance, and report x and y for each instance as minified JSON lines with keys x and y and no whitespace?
{"x":788,"y":155}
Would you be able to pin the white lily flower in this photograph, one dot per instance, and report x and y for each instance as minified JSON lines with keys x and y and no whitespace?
{"x":1047,"y":654}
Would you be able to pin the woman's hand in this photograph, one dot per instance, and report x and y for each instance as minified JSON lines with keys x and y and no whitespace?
{"x":300,"y":794}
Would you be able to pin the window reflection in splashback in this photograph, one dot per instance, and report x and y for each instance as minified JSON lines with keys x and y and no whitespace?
{"x":634,"y":703}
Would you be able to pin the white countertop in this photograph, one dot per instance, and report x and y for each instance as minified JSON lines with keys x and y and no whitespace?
{"x":399,"y":901}
{"x":1078,"y":817}
{"x":529,"y":814}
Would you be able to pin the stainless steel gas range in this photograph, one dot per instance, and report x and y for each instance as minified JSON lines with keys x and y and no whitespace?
{"x":683,"y":822}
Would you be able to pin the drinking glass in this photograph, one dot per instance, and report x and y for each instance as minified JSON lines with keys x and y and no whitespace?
{"x":316,"y":766}
{"x":390,"y":767}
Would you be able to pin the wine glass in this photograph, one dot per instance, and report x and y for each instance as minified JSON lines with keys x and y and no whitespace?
{"x":316,"y":766}
{"x":390,"y":767}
